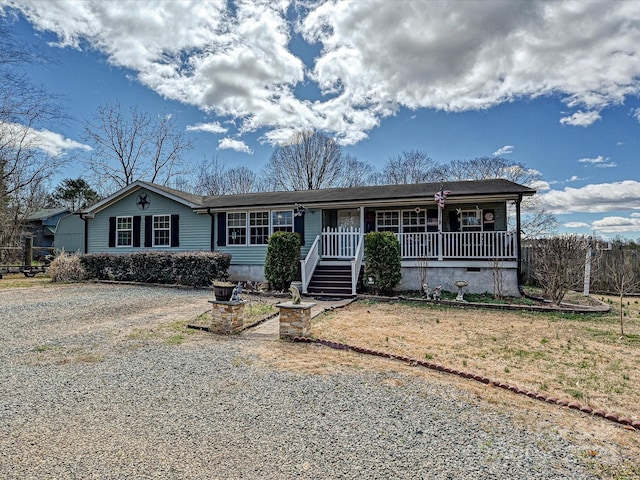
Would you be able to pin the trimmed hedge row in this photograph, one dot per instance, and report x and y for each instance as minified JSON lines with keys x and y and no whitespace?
{"x":189,"y":268}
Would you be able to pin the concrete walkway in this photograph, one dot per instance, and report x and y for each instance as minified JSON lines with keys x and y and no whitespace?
{"x":271,"y":328}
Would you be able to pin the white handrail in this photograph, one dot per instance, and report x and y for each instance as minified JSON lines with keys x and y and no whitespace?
{"x":458,"y":245}
{"x":340,"y":242}
{"x":356,"y":263}
{"x":308,"y":265}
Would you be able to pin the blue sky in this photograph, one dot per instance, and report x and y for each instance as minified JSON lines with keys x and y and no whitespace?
{"x":552,"y":85}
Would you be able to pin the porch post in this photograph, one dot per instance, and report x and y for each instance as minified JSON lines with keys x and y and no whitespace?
{"x":439,"y":232}
{"x":519,"y":241}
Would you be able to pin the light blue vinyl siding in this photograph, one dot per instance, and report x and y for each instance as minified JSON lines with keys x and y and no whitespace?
{"x":312,"y":228}
{"x":195,"y":229}
{"x":70,"y":234}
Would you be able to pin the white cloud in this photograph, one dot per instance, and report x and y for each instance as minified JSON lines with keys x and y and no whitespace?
{"x":540,"y":185}
{"x":616,"y":224}
{"x":573,"y":178}
{"x":576,"y":225}
{"x":211,"y":127}
{"x":51,"y":143}
{"x":231,"y":144}
{"x":599,"y":162}
{"x":603,"y":197}
{"x":375,"y":56}
{"x":581,"y":119}
{"x":598,"y":159}
{"x":503,"y":151}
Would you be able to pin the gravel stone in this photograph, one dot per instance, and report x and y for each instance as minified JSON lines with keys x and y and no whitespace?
{"x":212,"y":410}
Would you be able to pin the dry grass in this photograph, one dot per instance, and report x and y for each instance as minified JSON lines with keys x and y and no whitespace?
{"x":563,"y":356}
{"x":581,"y":357}
{"x":18,"y":280}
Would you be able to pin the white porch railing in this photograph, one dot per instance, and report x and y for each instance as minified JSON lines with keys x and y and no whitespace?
{"x":458,"y":245}
{"x":341,"y":243}
{"x":356,"y":263}
{"x":308,"y":265}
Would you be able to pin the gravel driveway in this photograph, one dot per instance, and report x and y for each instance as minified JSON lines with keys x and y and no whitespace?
{"x":96,"y":384}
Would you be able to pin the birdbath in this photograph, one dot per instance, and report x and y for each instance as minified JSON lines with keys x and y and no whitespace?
{"x":460,"y":284}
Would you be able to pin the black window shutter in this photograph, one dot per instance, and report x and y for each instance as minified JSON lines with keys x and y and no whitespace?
{"x":175,"y":230}
{"x":222,"y":229}
{"x":298,"y":227}
{"x":112,"y":232}
{"x":213,"y":233}
{"x":136,"y":231}
{"x":148,"y":231}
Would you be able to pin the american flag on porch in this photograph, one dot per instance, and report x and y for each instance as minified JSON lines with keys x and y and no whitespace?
{"x":441,"y":196}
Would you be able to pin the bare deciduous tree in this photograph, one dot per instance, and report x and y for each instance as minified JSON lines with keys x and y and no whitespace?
{"x":413,"y":166}
{"x":25,"y":162}
{"x":558,"y":264}
{"x":215,"y":179}
{"x":357,"y":173}
{"x":133,"y":146}
{"x":241,"y":180}
{"x":621,"y":276}
{"x":310,"y":160}
{"x":536,"y":222}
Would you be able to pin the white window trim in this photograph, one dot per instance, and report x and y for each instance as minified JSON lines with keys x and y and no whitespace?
{"x":154,"y":229}
{"x":422,"y":213}
{"x":399,"y":225}
{"x":118,"y":230}
{"x":250,"y":226}
{"x":477,"y":214}
{"x":247,"y":226}
{"x":230,"y":227}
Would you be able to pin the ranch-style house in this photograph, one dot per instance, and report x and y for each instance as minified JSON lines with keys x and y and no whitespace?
{"x":454,"y":231}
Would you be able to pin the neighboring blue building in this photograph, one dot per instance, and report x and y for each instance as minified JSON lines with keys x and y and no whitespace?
{"x":41,"y":226}
{"x":459,"y":230}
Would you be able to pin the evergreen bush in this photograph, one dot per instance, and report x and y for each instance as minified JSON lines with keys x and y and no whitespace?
{"x":283,"y":259}
{"x":383,"y":261}
{"x":196,"y":269}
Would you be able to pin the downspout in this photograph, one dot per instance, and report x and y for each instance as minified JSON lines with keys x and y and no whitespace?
{"x":212,"y":235}
{"x":86,"y":232}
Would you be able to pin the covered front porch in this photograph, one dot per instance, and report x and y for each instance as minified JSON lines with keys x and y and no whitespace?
{"x":480,"y":244}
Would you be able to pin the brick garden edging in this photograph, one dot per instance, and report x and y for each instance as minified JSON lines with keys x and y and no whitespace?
{"x":626,"y":421}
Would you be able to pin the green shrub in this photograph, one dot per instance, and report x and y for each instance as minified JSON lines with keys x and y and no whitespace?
{"x":383,"y":261}
{"x":66,"y":268}
{"x":187,"y":268}
{"x":283,"y":259}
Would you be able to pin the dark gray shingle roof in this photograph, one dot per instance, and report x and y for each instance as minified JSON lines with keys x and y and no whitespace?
{"x":378,"y":193}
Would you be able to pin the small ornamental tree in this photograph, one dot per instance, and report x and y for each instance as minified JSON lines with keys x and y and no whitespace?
{"x":283,"y":258}
{"x":383,"y":261}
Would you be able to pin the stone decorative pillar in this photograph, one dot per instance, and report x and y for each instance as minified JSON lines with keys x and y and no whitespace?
{"x":295,"y":319}
{"x":226,"y":317}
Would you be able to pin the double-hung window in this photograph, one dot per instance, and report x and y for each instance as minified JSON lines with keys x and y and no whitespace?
{"x":388,"y":221}
{"x":124,"y":231}
{"x":237,"y":228}
{"x":413,"y":221}
{"x":282,"y":221}
{"x":471,"y":220}
{"x":161,"y":230}
{"x":254,"y":228}
{"x":259,"y":228}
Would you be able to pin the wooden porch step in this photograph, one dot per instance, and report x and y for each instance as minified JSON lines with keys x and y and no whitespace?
{"x":331,"y":280}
